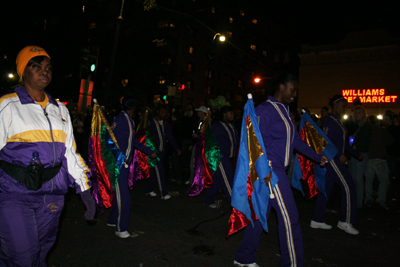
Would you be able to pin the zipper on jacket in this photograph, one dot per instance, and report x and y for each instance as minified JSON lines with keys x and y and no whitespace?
{"x":54,"y":149}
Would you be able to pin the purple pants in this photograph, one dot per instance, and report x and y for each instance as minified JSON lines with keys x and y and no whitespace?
{"x":339,"y":174}
{"x":27,"y":231}
{"x":157,"y":175}
{"x":121,"y":206}
{"x":223,"y":177}
{"x":290,"y":238}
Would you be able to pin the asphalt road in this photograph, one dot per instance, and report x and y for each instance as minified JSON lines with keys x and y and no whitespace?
{"x":183,"y":232}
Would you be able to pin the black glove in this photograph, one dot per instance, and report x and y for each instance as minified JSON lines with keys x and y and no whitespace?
{"x":89,"y":203}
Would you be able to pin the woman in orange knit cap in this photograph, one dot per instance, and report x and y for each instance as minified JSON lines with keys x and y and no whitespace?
{"x":38,"y":162}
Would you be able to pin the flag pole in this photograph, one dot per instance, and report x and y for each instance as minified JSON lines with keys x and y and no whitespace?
{"x":271,"y":193}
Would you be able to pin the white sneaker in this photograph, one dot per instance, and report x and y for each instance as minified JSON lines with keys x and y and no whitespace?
{"x":152,"y":194}
{"x":111,"y":224}
{"x":124,"y":234}
{"x":237,"y":264}
{"x":318,"y":225}
{"x":348,"y":228}
{"x":166,"y":197}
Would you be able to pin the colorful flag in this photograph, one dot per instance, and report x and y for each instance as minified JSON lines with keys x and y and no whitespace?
{"x":144,"y":134}
{"x":105,"y":159}
{"x":250,"y":193}
{"x":206,"y":160}
{"x":312,"y":175}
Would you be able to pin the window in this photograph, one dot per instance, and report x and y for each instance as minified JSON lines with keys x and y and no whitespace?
{"x":161,"y":80}
{"x":229,"y":34}
{"x":240,"y":84}
{"x":212,"y":9}
{"x":254,"y":21}
{"x":230,"y":20}
{"x":209,"y":73}
{"x":241,"y":13}
{"x":124,"y":82}
{"x":172,"y":25}
{"x":253,"y":47}
{"x":189,"y":85}
{"x":92,"y":26}
{"x":191,"y":50}
{"x":190,"y":67}
{"x":166,"y":61}
{"x":264,"y":53}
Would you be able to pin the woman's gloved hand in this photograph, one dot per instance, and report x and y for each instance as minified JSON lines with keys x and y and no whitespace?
{"x":89,"y":203}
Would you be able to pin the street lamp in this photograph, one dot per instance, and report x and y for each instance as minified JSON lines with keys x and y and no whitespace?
{"x":10,"y":75}
{"x":222,"y":39}
{"x":258,"y":79}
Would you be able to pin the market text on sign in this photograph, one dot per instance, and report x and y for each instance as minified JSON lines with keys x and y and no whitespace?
{"x":368,"y":95}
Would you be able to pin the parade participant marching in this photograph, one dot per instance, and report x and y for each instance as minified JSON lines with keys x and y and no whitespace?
{"x":337,"y":172}
{"x":124,"y":131}
{"x":227,"y":138}
{"x":162,"y":133}
{"x":38,"y":162}
{"x":280,"y":138}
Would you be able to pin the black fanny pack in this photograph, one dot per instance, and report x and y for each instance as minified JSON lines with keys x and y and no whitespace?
{"x":33,"y":179}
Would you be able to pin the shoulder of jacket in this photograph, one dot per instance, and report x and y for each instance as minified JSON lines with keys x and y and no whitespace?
{"x":7,"y":98}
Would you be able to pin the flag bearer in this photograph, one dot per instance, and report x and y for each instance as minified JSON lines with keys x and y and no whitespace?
{"x":280,"y":138}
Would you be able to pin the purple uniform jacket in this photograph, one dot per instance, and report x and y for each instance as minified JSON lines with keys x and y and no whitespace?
{"x":124,"y":131}
{"x":279,"y":134}
{"x":337,"y":133}
{"x":227,"y":138}
{"x":162,"y":133}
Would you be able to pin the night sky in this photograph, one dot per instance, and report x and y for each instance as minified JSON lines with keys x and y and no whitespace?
{"x":295,"y":22}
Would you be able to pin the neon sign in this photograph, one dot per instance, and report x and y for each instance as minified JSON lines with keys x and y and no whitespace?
{"x":368,"y":95}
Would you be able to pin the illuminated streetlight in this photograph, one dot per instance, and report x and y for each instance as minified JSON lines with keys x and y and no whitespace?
{"x":345,"y":117}
{"x":10,"y":75}
{"x":257,"y":80}
{"x":221,"y":37}
{"x":380,"y":117}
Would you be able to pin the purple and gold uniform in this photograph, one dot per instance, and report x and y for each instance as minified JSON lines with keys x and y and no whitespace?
{"x":124,"y":131}
{"x":280,"y":138}
{"x":338,"y":173}
{"x":227,"y":138}
{"x":161,"y":132}
{"x":28,"y":218}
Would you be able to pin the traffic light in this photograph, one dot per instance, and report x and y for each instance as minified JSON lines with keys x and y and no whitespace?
{"x":164,"y":97}
{"x":89,"y":60}
{"x":181,"y":86}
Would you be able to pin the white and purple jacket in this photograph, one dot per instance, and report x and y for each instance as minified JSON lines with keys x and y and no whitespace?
{"x":25,"y":127}
{"x":279,"y":134}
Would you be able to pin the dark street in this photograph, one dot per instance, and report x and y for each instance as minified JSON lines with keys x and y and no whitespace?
{"x":183,"y":232}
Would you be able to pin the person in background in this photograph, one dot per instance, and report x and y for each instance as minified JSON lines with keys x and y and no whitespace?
{"x":280,"y":138}
{"x":36,"y":169}
{"x":201,"y":114}
{"x":337,"y":172}
{"x":377,"y":164}
{"x":324,"y":115}
{"x":162,"y":133}
{"x":228,"y":140}
{"x":177,"y":132}
{"x":124,"y":131}
{"x":360,"y":141}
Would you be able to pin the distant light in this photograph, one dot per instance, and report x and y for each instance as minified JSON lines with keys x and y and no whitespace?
{"x":10,"y":75}
{"x":92,"y":67}
{"x":222,"y":38}
{"x":164,"y":97}
{"x":345,"y":117}
{"x":83,"y":9}
{"x":257,"y":80}
{"x":380,"y":117}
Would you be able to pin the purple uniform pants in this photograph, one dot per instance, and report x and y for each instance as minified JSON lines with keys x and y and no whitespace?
{"x":121,"y":206}
{"x":157,"y":175}
{"x":339,"y":174}
{"x":290,"y":238}
{"x":27,"y":231}
{"x":223,"y":177}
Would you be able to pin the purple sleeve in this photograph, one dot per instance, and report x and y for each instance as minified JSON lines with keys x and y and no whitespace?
{"x":352,"y":151}
{"x":304,"y":149}
{"x":142,"y":147}
{"x":169,"y":135}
